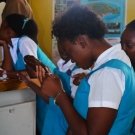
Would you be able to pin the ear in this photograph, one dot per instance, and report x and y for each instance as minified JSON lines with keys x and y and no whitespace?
{"x":80,"y":40}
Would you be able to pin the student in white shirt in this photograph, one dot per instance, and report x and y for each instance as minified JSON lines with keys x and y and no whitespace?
{"x":107,"y":104}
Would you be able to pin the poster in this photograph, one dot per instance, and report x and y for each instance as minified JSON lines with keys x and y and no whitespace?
{"x":60,"y":7}
{"x":112,"y":12}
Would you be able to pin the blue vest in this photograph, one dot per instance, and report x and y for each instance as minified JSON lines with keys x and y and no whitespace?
{"x":55,"y":122}
{"x":20,"y":65}
{"x":41,"y":105}
{"x":126,"y":111}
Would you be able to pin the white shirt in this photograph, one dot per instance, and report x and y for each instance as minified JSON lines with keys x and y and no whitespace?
{"x":69,"y":65}
{"x":26,"y":46}
{"x":74,"y":87}
{"x":65,"y":67}
{"x":107,"y":85}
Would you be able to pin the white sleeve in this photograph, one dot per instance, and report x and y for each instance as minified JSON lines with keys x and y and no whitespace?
{"x":107,"y":86}
{"x":74,"y":87}
{"x":28,"y":47}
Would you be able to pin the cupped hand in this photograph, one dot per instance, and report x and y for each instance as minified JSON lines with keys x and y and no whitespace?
{"x":31,"y":72}
{"x":40,"y":72}
{"x":51,"y":85}
{"x":23,"y":76}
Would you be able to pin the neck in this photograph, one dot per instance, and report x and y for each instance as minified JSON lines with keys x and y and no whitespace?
{"x":100,"y":46}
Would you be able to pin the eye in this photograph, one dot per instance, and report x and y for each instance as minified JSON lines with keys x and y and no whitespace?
{"x":129,"y":45}
{"x":126,"y":44}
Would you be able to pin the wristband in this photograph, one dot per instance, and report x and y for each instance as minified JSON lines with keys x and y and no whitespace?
{"x":4,"y":75}
{"x":57,"y":95}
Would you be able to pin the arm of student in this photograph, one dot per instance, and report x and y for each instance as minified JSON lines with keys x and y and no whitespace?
{"x":7,"y":63}
{"x":100,"y":120}
{"x":38,"y":91}
{"x":69,"y":131}
{"x":96,"y":123}
{"x":78,"y":125}
{"x":23,"y":76}
{"x":13,"y":74}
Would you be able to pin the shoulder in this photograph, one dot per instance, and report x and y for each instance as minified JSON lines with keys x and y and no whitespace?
{"x":121,"y":55}
{"x":26,"y":41}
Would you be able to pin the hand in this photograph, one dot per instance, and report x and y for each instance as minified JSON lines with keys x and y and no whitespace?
{"x":40,"y":73}
{"x":51,"y":85}
{"x":23,"y":76}
{"x":78,"y":78}
{"x":31,"y":72}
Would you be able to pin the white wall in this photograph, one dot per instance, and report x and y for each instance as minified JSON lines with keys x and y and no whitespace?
{"x":2,"y":4}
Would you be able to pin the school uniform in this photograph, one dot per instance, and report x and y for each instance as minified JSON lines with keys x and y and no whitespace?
{"x":25,"y":46}
{"x":110,"y":84}
{"x":55,"y":122}
{"x":68,"y":67}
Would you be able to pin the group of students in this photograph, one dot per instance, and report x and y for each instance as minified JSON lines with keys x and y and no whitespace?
{"x":92,"y":90}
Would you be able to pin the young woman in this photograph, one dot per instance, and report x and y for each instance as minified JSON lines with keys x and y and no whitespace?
{"x":52,"y":113}
{"x":107,"y":104}
{"x":128,"y":45}
{"x":17,"y":36}
{"x":128,"y":41}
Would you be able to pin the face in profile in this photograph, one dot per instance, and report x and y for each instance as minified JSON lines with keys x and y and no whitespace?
{"x":3,"y":31}
{"x":78,"y":54}
{"x":62,"y":52}
{"x":128,"y":44}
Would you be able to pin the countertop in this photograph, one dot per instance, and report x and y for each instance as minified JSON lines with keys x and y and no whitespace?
{"x":14,"y":84}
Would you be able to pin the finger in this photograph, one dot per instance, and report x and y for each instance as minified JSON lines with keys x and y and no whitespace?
{"x":40,"y":73}
{"x":75,"y":76}
{"x":47,"y":69}
{"x":37,"y":71}
{"x":43,"y":72}
{"x":52,"y":76}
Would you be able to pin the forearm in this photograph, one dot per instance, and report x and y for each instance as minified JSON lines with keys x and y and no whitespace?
{"x":11,"y":74}
{"x":77,"y":124}
{"x":7,"y":63}
{"x":38,"y":91}
{"x":69,"y":132}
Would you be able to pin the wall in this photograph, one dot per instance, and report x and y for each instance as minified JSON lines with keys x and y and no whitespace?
{"x":130,"y":10}
{"x":2,"y":5}
{"x":43,"y":13}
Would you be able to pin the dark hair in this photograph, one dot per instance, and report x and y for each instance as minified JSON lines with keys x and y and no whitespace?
{"x":131,"y":25}
{"x":76,"y":21}
{"x":16,"y":21}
